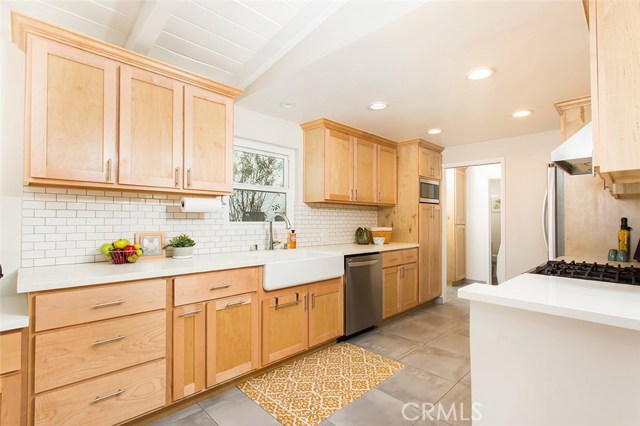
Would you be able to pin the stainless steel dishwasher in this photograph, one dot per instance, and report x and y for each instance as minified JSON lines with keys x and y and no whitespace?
{"x":363,"y":292}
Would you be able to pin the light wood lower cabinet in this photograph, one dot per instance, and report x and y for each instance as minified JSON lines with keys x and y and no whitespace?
{"x":430,"y":274}
{"x":399,"y":282}
{"x":98,"y":354}
{"x":232,"y":337}
{"x":284,"y":324}
{"x":326,"y":313}
{"x":188,"y":350}
{"x":78,"y":353}
{"x":11,"y":399}
{"x":11,"y":391}
{"x":297,"y":318}
{"x":106,"y":400}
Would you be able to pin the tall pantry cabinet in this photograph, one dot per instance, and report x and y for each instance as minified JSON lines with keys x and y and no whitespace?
{"x":414,"y":222}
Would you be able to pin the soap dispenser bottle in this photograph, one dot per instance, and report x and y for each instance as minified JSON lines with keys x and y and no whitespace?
{"x":292,"y":240}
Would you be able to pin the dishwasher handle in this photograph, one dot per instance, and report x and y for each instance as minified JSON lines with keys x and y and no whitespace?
{"x":365,"y":263}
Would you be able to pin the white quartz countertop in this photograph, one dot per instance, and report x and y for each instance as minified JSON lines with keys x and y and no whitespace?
{"x":66,"y":276}
{"x":617,"y":305}
{"x":13,"y":312}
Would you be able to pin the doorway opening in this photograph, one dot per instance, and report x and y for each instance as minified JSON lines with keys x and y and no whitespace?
{"x":474,"y":224}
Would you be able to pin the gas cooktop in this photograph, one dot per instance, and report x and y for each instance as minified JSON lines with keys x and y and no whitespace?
{"x":590,"y":271}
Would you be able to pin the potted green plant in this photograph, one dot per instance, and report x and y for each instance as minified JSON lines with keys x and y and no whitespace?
{"x":182,"y":246}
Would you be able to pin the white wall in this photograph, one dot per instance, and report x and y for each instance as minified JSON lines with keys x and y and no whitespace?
{"x":477,"y":220}
{"x":11,"y":128}
{"x":525,"y":180}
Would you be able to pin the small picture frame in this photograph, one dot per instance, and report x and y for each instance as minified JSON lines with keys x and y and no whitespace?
{"x":152,"y":244}
{"x":496,"y":203}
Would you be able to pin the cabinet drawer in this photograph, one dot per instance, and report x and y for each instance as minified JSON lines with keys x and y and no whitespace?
{"x":79,"y":353}
{"x":399,"y":257}
{"x":410,"y":256}
{"x":92,"y":304}
{"x":10,"y":351}
{"x":214,"y":285}
{"x":104,"y":401}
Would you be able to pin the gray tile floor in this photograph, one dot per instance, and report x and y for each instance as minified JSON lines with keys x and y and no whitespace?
{"x":432,"y":343}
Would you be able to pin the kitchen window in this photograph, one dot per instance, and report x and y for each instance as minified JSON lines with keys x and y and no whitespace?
{"x":262,"y":183}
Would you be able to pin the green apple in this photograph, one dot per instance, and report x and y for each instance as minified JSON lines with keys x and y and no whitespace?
{"x":120,"y":244}
{"x":106,"y":249}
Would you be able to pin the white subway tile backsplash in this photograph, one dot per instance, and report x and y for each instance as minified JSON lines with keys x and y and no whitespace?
{"x":68,"y":225}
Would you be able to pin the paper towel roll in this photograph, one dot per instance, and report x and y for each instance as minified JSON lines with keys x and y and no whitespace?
{"x":201,"y":205}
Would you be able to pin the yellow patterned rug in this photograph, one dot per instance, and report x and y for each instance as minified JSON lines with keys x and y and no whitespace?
{"x":308,"y":390}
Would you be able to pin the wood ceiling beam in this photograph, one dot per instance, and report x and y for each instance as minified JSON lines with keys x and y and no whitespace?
{"x":152,"y":19}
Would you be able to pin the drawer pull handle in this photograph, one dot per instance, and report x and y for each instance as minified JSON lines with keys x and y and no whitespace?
{"x":109,"y":340}
{"x":231,"y":305}
{"x":284,"y":305}
{"x":186,"y":314}
{"x":107,"y":396}
{"x":219,"y":287}
{"x":105,"y":304}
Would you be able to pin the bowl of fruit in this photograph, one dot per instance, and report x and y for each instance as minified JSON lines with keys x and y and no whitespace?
{"x":121,"y":251}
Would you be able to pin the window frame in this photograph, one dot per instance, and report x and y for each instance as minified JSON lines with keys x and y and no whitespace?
{"x":289,"y":157}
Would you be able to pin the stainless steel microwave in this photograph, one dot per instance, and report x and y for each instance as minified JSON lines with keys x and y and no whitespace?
{"x":429,"y":191}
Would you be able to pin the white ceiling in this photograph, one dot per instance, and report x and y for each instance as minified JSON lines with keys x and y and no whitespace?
{"x":332,"y":58}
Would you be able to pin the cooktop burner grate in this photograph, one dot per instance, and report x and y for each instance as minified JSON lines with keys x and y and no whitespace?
{"x":590,"y":271}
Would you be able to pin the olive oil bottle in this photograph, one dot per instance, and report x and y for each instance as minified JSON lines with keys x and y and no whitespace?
{"x":624,"y":237}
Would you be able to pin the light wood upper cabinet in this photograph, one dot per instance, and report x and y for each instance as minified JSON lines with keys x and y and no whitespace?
{"x":430,"y":163}
{"x":346,"y":165}
{"x":387,"y":175}
{"x":188,"y":350}
{"x":71,"y":114}
{"x":150,"y":129}
{"x":232,"y":337}
{"x":338,"y":166}
{"x":365,"y":185}
{"x":615,"y":89}
{"x":208,"y":140}
{"x":100,"y":116}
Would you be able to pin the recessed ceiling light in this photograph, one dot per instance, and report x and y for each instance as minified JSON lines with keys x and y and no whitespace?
{"x":377,"y":106}
{"x":287,"y":105}
{"x":480,"y":73}
{"x":434,"y":131}
{"x":522,"y":113}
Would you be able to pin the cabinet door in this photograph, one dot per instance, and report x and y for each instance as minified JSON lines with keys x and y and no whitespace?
{"x":435,"y":161}
{"x":424,"y":162}
{"x":284,"y":325}
{"x":338,"y":166}
{"x":11,"y":399}
{"x":615,"y":86}
{"x":73,"y":111}
{"x":387,"y":175}
{"x":460,"y":210}
{"x":188,"y":350}
{"x":208,"y":140}
{"x":150,"y":129}
{"x":390,"y":292}
{"x":326,"y":317}
{"x":408,"y":286}
{"x":365,"y":153}
{"x":435,"y":253}
{"x":232,"y":337}
{"x":429,"y":273}
{"x":460,"y":253}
